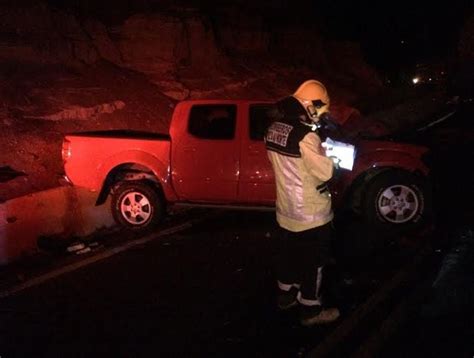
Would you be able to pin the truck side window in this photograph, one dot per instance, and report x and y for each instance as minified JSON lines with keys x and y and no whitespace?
{"x":212,"y":121}
{"x":258,"y":120}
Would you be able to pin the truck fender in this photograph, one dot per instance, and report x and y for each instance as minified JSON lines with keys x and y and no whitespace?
{"x":390,"y":159}
{"x":372,"y":164}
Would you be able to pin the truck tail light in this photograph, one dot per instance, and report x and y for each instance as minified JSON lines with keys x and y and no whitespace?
{"x":66,"y":150}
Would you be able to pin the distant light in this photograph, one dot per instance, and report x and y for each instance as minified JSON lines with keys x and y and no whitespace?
{"x":429,"y":79}
{"x":402,"y":42}
{"x":415,"y":80}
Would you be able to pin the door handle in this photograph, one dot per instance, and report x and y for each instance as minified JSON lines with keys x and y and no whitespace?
{"x":189,"y":149}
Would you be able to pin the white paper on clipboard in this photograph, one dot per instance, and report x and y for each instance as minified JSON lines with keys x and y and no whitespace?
{"x":343,"y":151}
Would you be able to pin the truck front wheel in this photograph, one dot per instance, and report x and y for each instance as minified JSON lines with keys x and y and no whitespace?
{"x":397,"y":201}
{"x":137,"y":205}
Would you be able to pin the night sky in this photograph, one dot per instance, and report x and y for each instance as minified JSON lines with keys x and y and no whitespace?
{"x":391,"y":32}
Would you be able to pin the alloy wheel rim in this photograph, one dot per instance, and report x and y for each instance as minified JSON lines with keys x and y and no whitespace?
{"x":398,"y":204}
{"x":135,"y":208}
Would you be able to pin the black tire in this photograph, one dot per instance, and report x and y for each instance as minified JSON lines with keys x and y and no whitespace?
{"x":397,"y":202}
{"x":137,"y":205}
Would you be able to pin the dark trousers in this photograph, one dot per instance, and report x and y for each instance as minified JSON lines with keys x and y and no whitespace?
{"x":301,"y":257}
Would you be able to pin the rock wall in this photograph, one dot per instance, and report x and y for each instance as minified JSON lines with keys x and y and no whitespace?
{"x":166,"y":45}
{"x":37,"y":33}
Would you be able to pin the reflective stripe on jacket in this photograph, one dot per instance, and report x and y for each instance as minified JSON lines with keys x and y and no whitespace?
{"x":300,"y":170}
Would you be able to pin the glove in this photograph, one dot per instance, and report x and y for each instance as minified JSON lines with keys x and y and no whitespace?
{"x":337,"y":168}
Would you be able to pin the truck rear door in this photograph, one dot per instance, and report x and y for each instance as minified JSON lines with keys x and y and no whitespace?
{"x":257,"y":183}
{"x":205,"y":152}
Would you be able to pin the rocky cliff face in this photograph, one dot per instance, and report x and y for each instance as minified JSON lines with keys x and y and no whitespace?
{"x":60,"y":73}
{"x":178,"y":43}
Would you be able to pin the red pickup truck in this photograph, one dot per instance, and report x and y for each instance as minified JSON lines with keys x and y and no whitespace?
{"x":215,"y":155}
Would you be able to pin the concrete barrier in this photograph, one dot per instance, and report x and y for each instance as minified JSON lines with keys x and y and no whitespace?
{"x":65,"y":211}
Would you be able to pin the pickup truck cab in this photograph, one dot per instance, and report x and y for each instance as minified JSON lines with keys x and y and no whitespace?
{"x":215,"y":155}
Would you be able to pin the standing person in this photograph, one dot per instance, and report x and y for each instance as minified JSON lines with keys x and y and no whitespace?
{"x":303,"y":204}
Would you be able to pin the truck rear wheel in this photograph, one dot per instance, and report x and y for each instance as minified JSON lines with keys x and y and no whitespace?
{"x":137,"y":205}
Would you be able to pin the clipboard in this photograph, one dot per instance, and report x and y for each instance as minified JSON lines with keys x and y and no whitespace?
{"x":343,"y":151}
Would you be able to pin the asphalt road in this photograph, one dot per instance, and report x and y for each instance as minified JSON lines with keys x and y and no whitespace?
{"x":183,"y":295}
{"x":206,"y":291}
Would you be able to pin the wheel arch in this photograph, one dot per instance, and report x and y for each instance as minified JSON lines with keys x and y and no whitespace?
{"x":134,"y":171}
{"x":353,"y":194}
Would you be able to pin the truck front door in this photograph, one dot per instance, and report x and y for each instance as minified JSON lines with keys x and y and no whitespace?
{"x":205,"y":154}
